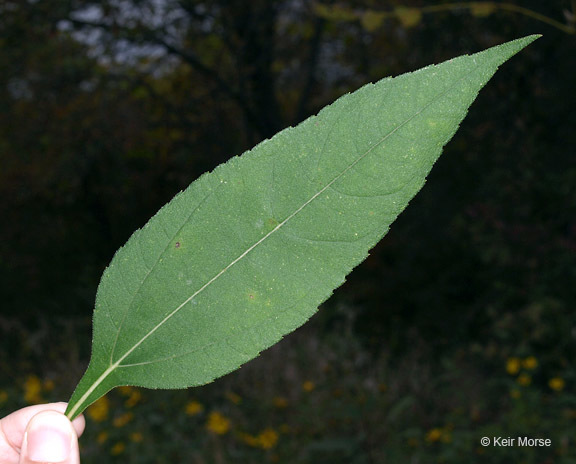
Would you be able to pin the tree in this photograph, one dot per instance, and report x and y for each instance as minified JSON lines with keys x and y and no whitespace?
{"x":242,"y":50}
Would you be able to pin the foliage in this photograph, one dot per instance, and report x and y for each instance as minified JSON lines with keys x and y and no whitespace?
{"x":327,"y":399}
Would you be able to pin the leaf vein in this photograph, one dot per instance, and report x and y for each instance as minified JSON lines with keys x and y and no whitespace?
{"x":129,"y":306}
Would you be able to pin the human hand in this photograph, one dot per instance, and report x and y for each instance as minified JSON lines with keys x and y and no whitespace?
{"x":40,"y":434}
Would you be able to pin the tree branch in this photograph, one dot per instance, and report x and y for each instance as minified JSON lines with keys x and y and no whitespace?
{"x":189,"y":58}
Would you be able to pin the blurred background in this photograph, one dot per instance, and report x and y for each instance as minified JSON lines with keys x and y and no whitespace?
{"x":460,"y":325}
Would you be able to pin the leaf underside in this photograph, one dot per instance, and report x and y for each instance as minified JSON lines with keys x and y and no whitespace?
{"x":247,"y":252}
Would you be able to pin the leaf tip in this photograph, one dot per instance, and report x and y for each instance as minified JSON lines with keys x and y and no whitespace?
{"x":531,"y":38}
{"x":519,"y":44}
{"x":503,"y":52}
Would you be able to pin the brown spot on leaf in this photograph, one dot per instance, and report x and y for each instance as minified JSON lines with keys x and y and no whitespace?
{"x":271,"y":222}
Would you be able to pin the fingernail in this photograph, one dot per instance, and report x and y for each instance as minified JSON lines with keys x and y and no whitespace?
{"x":49,"y":437}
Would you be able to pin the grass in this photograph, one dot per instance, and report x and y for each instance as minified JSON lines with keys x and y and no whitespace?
{"x":319,"y":396}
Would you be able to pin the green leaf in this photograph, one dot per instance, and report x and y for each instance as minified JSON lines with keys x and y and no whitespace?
{"x":247,"y":253}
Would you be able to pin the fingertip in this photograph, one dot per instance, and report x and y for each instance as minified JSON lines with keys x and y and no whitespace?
{"x":50,"y":438}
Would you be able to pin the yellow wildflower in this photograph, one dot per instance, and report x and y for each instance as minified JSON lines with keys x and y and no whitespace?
{"x":32,"y":390}
{"x":530,"y":363}
{"x":217,"y":423}
{"x":193,"y":408}
{"x":99,"y":410}
{"x":280,"y":402}
{"x":267,"y":439}
{"x":102,"y":437}
{"x":515,"y":393}
{"x":133,"y":399}
{"x":513,"y":366}
{"x":433,"y":435}
{"x":122,"y":420}
{"x":233,"y":397}
{"x":136,"y":437}
{"x":3,"y":397}
{"x":118,"y":449}
{"x":126,"y":390}
{"x":308,"y":386}
{"x":524,"y":380}
{"x":556,"y":384}
{"x":382,"y":388}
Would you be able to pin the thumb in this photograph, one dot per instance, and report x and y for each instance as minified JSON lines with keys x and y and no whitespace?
{"x":49,"y":438}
